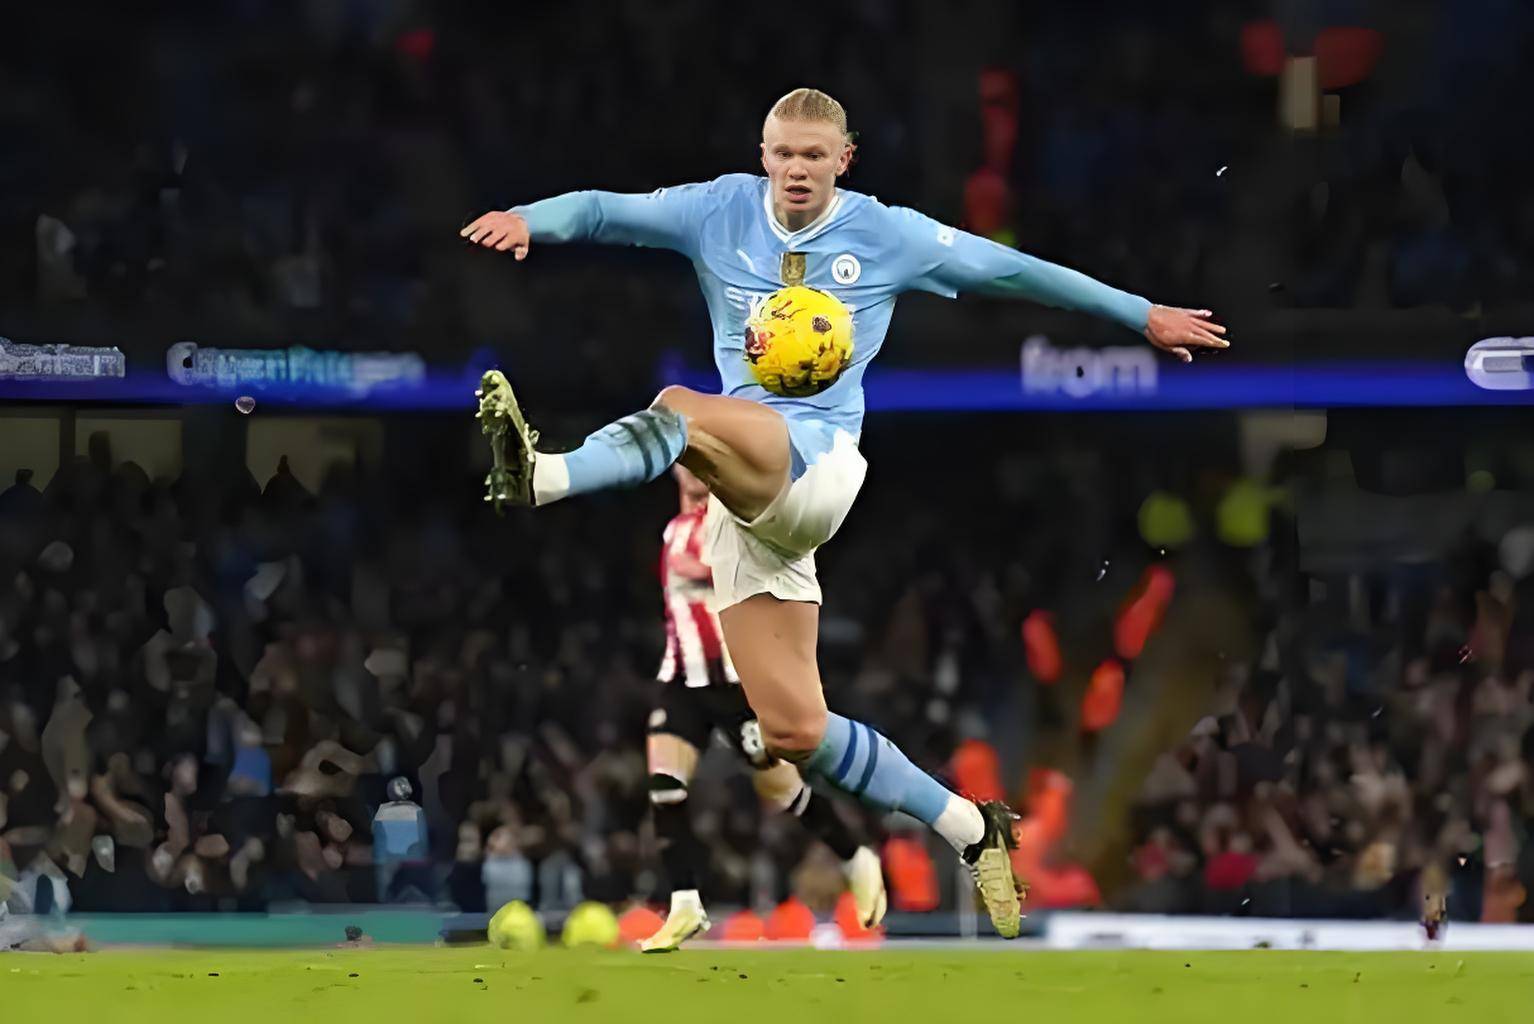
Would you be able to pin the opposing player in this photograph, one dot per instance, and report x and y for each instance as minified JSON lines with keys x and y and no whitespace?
{"x":783,"y":472}
{"x":700,"y":693}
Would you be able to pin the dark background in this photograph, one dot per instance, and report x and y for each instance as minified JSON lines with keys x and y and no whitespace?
{"x":1334,"y":715}
{"x":269,"y":173}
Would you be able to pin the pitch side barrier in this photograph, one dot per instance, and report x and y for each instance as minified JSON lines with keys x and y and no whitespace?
{"x":1066,"y":930}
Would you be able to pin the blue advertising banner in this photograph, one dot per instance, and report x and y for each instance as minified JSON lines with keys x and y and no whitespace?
{"x":294,"y":369}
{"x":297,"y":376}
{"x":1045,"y":379}
{"x":1135,"y":378}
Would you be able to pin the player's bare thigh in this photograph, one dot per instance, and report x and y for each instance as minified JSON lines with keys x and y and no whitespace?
{"x":666,"y":754}
{"x":772,"y":644}
{"x":736,"y":446}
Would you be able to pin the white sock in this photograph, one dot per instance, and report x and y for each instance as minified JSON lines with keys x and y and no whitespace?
{"x":960,"y":823}
{"x":683,"y":897}
{"x":551,"y":478}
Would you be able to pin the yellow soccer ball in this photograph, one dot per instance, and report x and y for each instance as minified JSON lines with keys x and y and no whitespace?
{"x":798,"y":341}
{"x":591,"y":924}
{"x":516,"y":926}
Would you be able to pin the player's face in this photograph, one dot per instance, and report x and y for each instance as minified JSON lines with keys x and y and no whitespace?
{"x":803,"y":160}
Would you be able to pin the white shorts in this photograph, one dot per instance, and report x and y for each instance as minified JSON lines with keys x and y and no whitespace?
{"x":775,"y":552}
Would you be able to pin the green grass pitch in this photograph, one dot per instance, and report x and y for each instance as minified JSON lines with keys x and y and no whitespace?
{"x":424,"y":985}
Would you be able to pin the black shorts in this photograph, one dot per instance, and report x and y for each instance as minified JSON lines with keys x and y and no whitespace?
{"x":693,"y":713}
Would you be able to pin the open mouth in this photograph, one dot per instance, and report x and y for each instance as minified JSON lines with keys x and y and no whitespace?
{"x":797,"y":193}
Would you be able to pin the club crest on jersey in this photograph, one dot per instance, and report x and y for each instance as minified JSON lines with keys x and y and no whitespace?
{"x":846,"y":269}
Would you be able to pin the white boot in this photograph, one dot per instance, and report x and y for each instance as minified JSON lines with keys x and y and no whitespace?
{"x":865,"y":878}
{"x":686,"y":920}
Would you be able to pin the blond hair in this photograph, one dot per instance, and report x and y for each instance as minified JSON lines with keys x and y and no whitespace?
{"x":810,"y":105}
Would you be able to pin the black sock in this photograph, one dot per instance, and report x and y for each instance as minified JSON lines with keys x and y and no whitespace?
{"x":680,"y":852}
{"x":822,"y":821}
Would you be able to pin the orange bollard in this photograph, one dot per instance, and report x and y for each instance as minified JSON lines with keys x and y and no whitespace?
{"x":638,"y":923}
{"x":790,"y":921}
{"x":743,"y":926}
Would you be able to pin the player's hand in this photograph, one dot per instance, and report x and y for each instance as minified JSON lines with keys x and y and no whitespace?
{"x":1178,"y":331}
{"x":500,"y":230}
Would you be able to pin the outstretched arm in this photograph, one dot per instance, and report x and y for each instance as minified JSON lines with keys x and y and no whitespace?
{"x":956,"y":261}
{"x":663,"y":219}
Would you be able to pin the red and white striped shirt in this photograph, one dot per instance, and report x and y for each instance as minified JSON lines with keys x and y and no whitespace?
{"x":694,"y":642}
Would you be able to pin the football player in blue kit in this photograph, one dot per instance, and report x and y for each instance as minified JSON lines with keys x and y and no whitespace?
{"x":783,"y":471}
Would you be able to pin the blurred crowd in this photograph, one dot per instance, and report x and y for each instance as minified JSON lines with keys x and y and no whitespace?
{"x":262,"y":171}
{"x":228,"y":697}
{"x":1378,"y":761}
{"x":217,"y":693}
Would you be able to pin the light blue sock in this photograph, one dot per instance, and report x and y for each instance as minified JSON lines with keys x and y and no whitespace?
{"x":857,"y":760}
{"x":627,"y":452}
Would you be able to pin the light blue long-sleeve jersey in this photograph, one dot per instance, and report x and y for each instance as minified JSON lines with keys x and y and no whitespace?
{"x":860,"y":250}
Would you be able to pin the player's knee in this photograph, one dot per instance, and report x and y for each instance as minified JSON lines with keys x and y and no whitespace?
{"x":794,"y":736}
{"x":676,"y":398}
{"x":667,"y":790}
